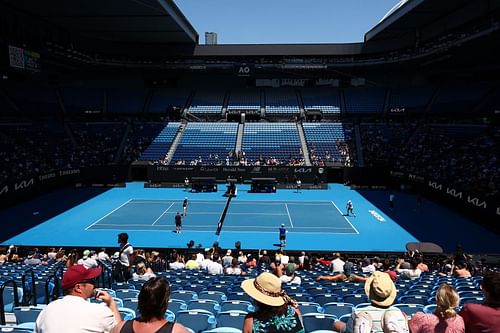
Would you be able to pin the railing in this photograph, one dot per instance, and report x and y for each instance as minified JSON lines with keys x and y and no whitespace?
{"x":16,"y":298}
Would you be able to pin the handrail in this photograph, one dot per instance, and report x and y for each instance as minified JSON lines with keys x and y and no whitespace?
{"x":16,"y":298}
{"x":33,"y":287}
{"x":55,"y":291}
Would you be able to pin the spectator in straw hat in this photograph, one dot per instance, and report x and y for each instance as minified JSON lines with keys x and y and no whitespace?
{"x":379,"y":316}
{"x":275,"y":310}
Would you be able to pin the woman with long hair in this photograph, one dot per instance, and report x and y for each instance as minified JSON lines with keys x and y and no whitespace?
{"x":153,"y":302}
{"x":444,"y":319}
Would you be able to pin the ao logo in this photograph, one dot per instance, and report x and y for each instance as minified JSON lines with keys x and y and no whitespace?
{"x":244,"y":70}
{"x":376,"y":215}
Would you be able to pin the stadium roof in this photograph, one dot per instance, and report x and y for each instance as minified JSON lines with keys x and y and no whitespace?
{"x":418,"y":20}
{"x":122,"y":21}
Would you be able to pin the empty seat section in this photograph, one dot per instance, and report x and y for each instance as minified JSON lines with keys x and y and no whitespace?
{"x":271,"y":140}
{"x":248,"y":99}
{"x":409,"y":99}
{"x":206,"y":143}
{"x":326,"y":100}
{"x":126,"y":100}
{"x":281,"y":101}
{"x":161,"y":144}
{"x":364,"y":100}
{"x":207,"y":102}
{"x":459,"y":98}
{"x":81,"y":99}
{"x":31,"y":98}
{"x":162,"y":99}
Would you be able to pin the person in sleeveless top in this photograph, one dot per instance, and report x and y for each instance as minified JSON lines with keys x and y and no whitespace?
{"x":153,"y":302}
{"x":275,"y":311}
{"x":444,"y":319}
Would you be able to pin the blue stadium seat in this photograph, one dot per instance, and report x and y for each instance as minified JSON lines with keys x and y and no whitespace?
{"x":204,"y":304}
{"x":318,"y":321}
{"x":309,"y":307}
{"x":338,"y":309}
{"x":233,"y":318}
{"x":176,"y":305}
{"x":237,"y":305}
{"x":197,"y":320}
{"x":410,"y":309}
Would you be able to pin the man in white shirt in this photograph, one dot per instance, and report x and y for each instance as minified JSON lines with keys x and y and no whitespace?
{"x":125,"y":257}
{"x":337,"y":264}
{"x":213,"y":267}
{"x":73,"y":312}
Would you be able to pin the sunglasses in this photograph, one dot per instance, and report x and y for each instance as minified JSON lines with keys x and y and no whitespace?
{"x":91,"y":281}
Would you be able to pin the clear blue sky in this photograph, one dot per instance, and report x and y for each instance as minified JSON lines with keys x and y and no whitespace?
{"x":284,"y":21}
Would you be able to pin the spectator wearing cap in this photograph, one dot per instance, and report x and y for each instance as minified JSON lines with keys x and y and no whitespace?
{"x":31,"y":259}
{"x":87,"y":260}
{"x":379,"y":316}
{"x":289,"y":276}
{"x":73,"y":312}
{"x":484,"y":318}
{"x":227,"y":259}
{"x":275,"y":310}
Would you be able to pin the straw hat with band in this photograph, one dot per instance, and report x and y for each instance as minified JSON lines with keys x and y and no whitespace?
{"x":380,"y":289}
{"x":266,"y":289}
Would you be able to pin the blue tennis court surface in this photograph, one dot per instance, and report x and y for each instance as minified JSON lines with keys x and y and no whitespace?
{"x":314,"y":219}
{"x":242,"y":216}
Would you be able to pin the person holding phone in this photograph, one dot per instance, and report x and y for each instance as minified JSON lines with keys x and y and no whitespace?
{"x":73,"y":312}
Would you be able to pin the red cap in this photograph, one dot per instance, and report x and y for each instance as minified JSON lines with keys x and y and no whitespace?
{"x":77,"y":273}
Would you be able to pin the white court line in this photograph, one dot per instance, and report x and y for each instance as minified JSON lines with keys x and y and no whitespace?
{"x":333,"y":203}
{"x":143,"y":201}
{"x":289,"y":217}
{"x":111,"y":212}
{"x":225,"y":231}
{"x":230,"y":226}
{"x":166,"y":210}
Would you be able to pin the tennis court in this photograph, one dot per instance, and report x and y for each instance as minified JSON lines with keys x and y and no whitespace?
{"x":242,"y":216}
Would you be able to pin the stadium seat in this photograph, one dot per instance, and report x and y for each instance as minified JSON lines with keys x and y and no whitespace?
{"x":233,"y":318}
{"x":410,"y":309}
{"x":213,"y":295}
{"x":309,"y":307}
{"x":170,"y":316}
{"x":185,"y":295}
{"x":127,"y":314}
{"x":237,"y":305}
{"x":197,"y":320}
{"x":204,"y":304}
{"x":176,"y":305}
{"x":27,"y":314}
{"x":318,"y":321}
{"x":127,"y":293}
{"x":338,"y":309}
